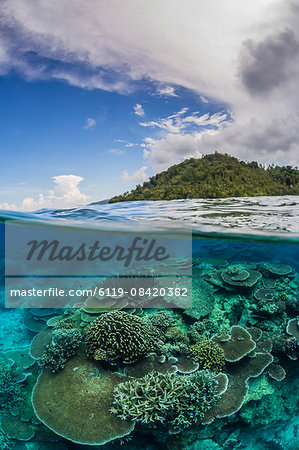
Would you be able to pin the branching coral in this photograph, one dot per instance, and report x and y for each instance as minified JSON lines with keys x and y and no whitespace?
{"x":121,"y":335}
{"x":10,"y":391}
{"x":174,"y":400}
{"x":63,"y":346}
{"x":65,"y":324}
{"x":5,"y":442}
{"x":209,"y":355}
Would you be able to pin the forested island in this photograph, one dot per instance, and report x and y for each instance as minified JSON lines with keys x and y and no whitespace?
{"x":215,"y":175}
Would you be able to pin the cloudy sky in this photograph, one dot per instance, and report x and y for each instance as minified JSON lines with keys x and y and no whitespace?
{"x":96,"y":96}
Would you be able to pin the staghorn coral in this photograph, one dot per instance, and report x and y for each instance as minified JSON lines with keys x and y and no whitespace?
{"x":175,"y":400}
{"x":63,"y":346}
{"x":209,"y":355}
{"x":10,"y":391}
{"x":5,"y":442}
{"x":121,"y":335}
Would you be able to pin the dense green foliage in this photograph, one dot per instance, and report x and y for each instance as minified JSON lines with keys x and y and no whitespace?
{"x":216,"y":176}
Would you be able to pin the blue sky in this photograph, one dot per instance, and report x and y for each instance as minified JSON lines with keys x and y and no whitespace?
{"x":96,"y":97}
{"x":50,"y":128}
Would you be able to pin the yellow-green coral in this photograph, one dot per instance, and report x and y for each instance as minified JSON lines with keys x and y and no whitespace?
{"x":209,"y":355}
{"x":65,"y":323}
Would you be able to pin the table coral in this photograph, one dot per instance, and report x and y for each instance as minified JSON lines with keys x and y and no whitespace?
{"x":239,"y":344}
{"x":75,"y":402}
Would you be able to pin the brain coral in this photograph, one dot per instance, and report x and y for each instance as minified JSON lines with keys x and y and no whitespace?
{"x":121,"y":335}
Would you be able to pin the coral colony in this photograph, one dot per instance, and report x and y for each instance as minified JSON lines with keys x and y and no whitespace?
{"x":94,"y":376}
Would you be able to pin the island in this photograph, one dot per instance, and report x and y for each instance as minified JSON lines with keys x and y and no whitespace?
{"x":216,"y":175}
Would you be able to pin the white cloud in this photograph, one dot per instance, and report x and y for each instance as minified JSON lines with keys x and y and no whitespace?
{"x":203,"y":99}
{"x":166,"y":91}
{"x":8,"y":206}
{"x":228,"y":52}
{"x":89,"y":123}
{"x":66,"y":194}
{"x":124,"y":141}
{"x":138,"y":176}
{"x":180,"y":123}
{"x":138,"y":110}
{"x":117,"y":151}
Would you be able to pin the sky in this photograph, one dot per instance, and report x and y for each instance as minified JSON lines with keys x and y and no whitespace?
{"x":97,"y":96}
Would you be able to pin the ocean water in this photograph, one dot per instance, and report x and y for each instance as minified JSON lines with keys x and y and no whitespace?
{"x":242,"y":324}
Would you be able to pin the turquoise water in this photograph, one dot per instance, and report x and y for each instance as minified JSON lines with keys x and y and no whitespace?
{"x":242,"y":324}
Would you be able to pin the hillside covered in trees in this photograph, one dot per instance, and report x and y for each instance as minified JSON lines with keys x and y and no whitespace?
{"x":216,"y":176}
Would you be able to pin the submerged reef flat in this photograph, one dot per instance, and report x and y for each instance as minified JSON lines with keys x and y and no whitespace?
{"x":219,"y":375}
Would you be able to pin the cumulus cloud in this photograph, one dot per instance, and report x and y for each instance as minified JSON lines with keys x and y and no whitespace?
{"x":89,"y":123}
{"x":138,"y":176}
{"x":233,"y":52}
{"x":182,"y":133}
{"x":66,"y":194}
{"x":256,"y":139}
{"x":138,"y":110}
{"x":8,"y":206}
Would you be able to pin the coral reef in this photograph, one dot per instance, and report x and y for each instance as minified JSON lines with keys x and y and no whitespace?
{"x":5,"y":442}
{"x":202,"y":297}
{"x":10,"y":391}
{"x":209,"y":355}
{"x":121,"y":335}
{"x":293,"y":328}
{"x":176,"y":401}
{"x":162,"y":319}
{"x":75,"y":402}
{"x":235,"y":276}
{"x":239,"y":344}
{"x":227,"y":366}
{"x":67,"y":323}
{"x":63,"y":345}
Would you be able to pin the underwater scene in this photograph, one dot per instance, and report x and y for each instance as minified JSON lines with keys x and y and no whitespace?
{"x":220,"y":374}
